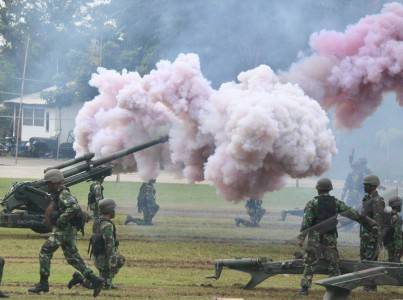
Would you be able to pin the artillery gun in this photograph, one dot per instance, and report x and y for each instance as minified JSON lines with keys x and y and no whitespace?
{"x":25,"y":203}
{"x":355,"y":273}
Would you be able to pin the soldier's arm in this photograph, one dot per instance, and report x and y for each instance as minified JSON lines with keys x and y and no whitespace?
{"x":72,"y":208}
{"x":379,"y":208}
{"x":110,"y":251}
{"x":347,"y":211}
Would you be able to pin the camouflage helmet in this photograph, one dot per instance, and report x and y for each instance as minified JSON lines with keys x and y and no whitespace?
{"x":372,"y":180}
{"x":152,"y":181}
{"x":107,"y":206}
{"x":324,"y":184}
{"x":54,"y":176}
{"x":395,"y":202}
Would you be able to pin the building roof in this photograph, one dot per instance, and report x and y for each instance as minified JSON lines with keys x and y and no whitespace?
{"x":32,"y":99}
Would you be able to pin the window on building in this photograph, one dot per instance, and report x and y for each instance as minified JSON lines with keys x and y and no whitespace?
{"x":39,"y":117}
{"x":34,"y":116}
{"x":28,"y":114}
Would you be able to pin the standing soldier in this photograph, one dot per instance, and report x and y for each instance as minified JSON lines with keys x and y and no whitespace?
{"x":146,"y":204}
{"x":320,"y":224}
{"x":392,"y":239}
{"x":2,"y":262}
{"x":373,"y":206}
{"x":255,"y":211}
{"x":95,"y":195}
{"x":104,"y":247}
{"x":64,"y":215}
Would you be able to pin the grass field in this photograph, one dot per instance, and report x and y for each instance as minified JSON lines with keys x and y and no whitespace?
{"x":171,"y":259}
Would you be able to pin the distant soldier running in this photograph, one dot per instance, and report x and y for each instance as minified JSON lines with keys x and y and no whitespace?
{"x":255,"y":211}
{"x":146,"y":204}
{"x":103,"y":247}
{"x":65,"y":216}
{"x":392,"y":239}
{"x":320,"y":225}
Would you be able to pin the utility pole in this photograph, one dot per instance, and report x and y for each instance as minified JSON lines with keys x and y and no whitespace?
{"x":21,"y":98}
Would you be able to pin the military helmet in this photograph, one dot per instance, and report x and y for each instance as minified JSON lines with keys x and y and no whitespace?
{"x":324,"y":184}
{"x":54,"y":176}
{"x":395,"y":202}
{"x":107,"y":206}
{"x":372,"y":180}
{"x":152,"y":181}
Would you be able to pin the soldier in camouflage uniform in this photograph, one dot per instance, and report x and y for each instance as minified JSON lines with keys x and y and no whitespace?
{"x":104,"y":247}
{"x":392,"y":239}
{"x":95,"y":194}
{"x":255,"y":211}
{"x":2,"y":262}
{"x":63,"y":213}
{"x":353,"y":190}
{"x":373,"y":206}
{"x":320,"y":225}
{"x":145,"y":204}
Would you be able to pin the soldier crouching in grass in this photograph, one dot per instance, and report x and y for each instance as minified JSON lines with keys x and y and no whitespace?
{"x":64,"y":214}
{"x":104,"y":247}
{"x":320,"y":224}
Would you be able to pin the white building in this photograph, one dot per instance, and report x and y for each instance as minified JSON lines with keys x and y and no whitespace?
{"x":40,"y":119}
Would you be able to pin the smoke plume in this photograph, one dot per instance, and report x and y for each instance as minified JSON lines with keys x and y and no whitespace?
{"x":349,"y":71}
{"x":244,"y":137}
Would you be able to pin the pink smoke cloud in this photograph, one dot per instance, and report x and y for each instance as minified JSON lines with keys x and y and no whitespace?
{"x":245,"y":137}
{"x":349,"y":71}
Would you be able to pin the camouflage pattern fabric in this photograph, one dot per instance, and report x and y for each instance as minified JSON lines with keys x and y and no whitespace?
{"x":321,"y":246}
{"x":2,"y":262}
{"x":255,"y":211}
{"x":110,"y":262}
{"x":95,"y":195}
{"x":146,"y":203}
{"x":64,"y":235}
{"x":371,"y":241}
{"x":395,"y":247}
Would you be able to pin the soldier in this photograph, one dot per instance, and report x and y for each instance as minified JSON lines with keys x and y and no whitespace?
{"x":320,"y":224}
{"x":145,"y":204}
{"x":392,"y":239}
{"x":373,"y":206}
{"x":255,"y":211}
{"x":353,"y":191}
{"x":95,"y":194}
{"x":104,"y":247}
{"x":2,"y":262}
{"x":64,"y":215}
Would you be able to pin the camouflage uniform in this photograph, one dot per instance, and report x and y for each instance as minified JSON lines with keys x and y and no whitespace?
{"x":322,"y":242}
{"x":95,"y":195}
{"x":373,"y":206}
{"x":394,"y":247}
{"x":146,"y":204}
{"x":64,"y":235}
{"x":255,"y":211}
{"x":110,"y":262}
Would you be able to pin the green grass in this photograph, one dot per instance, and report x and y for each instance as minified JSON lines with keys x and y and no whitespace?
{"x":171,"y":259}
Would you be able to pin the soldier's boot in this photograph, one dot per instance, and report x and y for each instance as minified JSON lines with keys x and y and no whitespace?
{"x":3,"y":295}
{"x":77,"y":279}
{"x":237,"y":221}
{"x":42,"y":286}
{"x":97,"y":284}
{"x":304,"y":291}
{"x":130,"y":219}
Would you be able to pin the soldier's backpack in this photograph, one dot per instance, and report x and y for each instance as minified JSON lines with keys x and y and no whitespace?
{"x":96,"y":244}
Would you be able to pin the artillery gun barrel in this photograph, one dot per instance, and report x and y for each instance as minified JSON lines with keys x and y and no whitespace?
{"x":125,"y":152}
{"x":85,"y":157}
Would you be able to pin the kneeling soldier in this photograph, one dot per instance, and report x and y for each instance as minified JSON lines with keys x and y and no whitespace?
{"x":104,"y":247}
{"x":393,"y":236}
